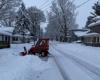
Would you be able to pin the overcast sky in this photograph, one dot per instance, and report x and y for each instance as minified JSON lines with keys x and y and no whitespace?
{"x":83,"y":11}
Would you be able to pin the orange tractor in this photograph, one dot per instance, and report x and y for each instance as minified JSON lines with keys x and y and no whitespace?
{"x":41,"y":48}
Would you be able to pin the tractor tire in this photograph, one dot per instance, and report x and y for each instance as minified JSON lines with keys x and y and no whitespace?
{"x":41,"y":54}
{"x":44,"y":54}
{"x":31,"y":53}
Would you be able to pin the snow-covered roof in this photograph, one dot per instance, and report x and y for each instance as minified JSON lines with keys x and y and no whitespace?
{"x":96,"y":18}
{"x":94,"y":24}
{"x":85,"y":33}
{"x":92,"y":34}
{"x":9,"y":30}
{"x":80,"y":33}
{"x":18,"y":35}
{"x":6,"y":30}
{"x":96,"y":21}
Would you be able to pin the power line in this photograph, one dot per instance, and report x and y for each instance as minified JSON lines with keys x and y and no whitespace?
{"x":76,"y":8}
{"x":73,"y":1}
{"x":44,"y":9}
{"x":45,"y":4}
{"x":82,"y":4}
{"x":98,"y":0}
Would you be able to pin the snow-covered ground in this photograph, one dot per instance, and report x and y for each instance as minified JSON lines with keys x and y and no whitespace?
{"x":77,"y":61}
{"x":15,"y":67}
{"x":86,"y":53}
{"x":68,"y":62}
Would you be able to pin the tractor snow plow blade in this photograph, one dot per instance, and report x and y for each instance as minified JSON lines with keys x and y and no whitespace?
{"x":22,"y":54}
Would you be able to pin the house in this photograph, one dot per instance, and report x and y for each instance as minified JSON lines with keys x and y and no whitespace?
{"x":5,"y":37}
{"x":16,"y":38}
{"x":87,"y":37}
{"x":93,"y":38}
{"x":79,"y":33}
{"x":90,"y":36}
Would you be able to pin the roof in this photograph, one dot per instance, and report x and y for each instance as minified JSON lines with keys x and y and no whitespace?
{"x":85,"y":33}
{"x":94,"y":24}
{"x":6,"y":30}
{"x":96,"y":21}
{"x":80,"y":33}
{"x":9,"y":30}
{"x":96,"y":18}
{"x":79,"y":29}
{"x":92,"y":34}
{"x":18,"y":35}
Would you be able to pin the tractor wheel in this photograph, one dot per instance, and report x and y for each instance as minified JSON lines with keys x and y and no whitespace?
{"x":44,"y":54}
{"x":31,"y":53}
{"x":41,"y":54}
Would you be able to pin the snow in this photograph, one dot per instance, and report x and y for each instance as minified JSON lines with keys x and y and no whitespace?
{"x":85,"y":33}
{"x":9,"y":30}
{"x":68,"y":61}
{"x":80,"y":33}
{"x":87,"y":53}
{"x":6,"y":30}
{"x":16,"y":67}
{"x":92,"y":34}
{"x":94,"y":23}
{"x":96,"y":18}
{"x":17,"y":35}
{"x":70,"y":70}
{"x":78,"y":62}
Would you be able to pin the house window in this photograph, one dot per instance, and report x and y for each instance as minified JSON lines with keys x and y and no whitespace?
{"x":97,"y":39}
{"x":15,"y":39}
{"x":6,"y":38}
{"x":0,"y":37}
{"x":91,"y":40}
{"x":94,"y":39}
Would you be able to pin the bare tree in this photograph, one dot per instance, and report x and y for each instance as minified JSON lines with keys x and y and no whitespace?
{"x":63,"y":12}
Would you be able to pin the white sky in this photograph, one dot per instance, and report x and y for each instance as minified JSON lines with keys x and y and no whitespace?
{"x":83,"y":11}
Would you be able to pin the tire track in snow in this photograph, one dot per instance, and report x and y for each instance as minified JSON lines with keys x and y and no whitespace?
{"x":63,"y":74}
{"x":87,"y":66}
